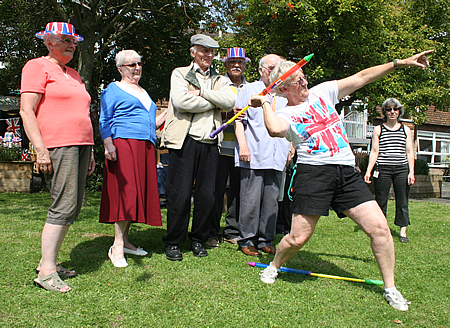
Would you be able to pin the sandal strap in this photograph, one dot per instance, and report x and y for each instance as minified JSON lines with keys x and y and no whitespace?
{"x":64,"y":272}
{"x":56,"y":284}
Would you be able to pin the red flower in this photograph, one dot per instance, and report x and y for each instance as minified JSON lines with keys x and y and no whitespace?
{"x":291,"y":6}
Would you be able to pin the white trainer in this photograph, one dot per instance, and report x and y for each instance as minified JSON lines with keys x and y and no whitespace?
{"x":396,"y":300}
{"x":269,"y":274}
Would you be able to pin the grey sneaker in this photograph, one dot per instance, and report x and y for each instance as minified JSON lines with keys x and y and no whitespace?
{"x":212,"y":242}
{"x":269,"y":274}
{"x":396,"y":300}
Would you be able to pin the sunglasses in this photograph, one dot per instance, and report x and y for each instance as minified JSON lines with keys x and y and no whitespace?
{"x":68,"y":41}
{"x":301,"y":81}
{"x":133,"y":65}
{"x":392,"y":109}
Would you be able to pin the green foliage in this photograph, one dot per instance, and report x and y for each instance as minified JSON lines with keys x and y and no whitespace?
{"x":350,"y":35}
{"x":10,"y":154}
{"x":95,"y":180}
{"x":421,"y":167}
{"x":220,"y":290}
{"x":159,"y":30}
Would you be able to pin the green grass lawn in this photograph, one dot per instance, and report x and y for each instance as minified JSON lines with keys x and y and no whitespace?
{"x":220,"y":290}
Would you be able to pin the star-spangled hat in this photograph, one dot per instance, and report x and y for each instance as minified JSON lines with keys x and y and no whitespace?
{"x":59,"y":28}
{"x":236,"y":53}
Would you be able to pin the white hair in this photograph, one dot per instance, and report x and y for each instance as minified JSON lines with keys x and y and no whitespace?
{"x":124,"y":54}
{"x":282,"y":67}
{"x":50,"y":37}
{"x":193,"y":49}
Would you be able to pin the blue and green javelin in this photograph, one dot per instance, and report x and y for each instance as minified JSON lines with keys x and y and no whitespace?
{"x":309,"y":273}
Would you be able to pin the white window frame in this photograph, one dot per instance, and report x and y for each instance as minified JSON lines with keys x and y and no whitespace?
{"x":434,"y":137}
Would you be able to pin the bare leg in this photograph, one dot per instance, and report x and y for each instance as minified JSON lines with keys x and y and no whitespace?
{"x":52,"y":238}
{"x":303,"y":227}
{"x":403,"y":231}
{"x":121,"y":228}
{"x":126,"y":242}
{"x":372,"y":221}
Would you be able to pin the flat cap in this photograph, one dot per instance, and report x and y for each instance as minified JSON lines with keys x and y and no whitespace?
{"x":204,"y":40}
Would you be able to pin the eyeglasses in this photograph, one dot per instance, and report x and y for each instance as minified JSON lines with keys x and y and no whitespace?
{"x":236,"y":61}
{"x":301,"y":81}
{"x":68,"y":41}
{"x":270,"y":68}
{"x":133,"y":65}
{"x":391,"y":109}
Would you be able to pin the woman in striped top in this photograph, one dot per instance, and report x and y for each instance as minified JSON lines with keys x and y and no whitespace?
{"x":393,"y":157}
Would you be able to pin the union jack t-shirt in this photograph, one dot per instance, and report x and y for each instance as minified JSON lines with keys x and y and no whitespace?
{"x":316,"y":130}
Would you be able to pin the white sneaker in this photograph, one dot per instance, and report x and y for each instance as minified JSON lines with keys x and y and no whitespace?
{"x":396,"y":300}
{"x":269,"y":274}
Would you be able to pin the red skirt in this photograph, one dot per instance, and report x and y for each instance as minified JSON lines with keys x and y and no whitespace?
{"x":130,"y":184}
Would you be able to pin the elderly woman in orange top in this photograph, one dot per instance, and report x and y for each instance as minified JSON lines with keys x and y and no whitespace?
{"x":54,"y":107}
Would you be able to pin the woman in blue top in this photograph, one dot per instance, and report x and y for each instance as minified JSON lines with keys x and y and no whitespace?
{"x":128,"y":128}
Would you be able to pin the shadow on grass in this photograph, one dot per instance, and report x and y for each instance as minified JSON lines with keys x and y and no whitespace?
{"x":89,"y":255}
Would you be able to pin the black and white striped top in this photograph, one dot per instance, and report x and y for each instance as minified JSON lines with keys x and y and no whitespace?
{"x":392,"y":149}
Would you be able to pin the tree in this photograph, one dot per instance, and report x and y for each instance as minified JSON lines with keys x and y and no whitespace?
{"x":158,"y":30}
{"x":347,"y":36}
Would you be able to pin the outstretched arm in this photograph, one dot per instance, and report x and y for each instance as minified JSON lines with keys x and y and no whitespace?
{"x":352,"y":83}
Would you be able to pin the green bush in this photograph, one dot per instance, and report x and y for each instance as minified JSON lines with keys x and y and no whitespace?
{"x":95,"y":180}
{"x":10,"y":154}
{"x":421,"y":167}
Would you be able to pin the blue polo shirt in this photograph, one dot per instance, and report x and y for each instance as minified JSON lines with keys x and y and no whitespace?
{"x":266,"y":152}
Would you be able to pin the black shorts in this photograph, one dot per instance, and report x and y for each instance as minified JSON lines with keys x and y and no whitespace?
{"x":317,"y":187}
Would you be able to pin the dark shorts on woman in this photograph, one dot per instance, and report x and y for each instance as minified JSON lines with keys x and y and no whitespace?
{"x":130,"y":184}
{"x":319,"y":187}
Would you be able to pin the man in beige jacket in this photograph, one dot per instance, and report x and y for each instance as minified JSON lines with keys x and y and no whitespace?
{"x":197,"y":92}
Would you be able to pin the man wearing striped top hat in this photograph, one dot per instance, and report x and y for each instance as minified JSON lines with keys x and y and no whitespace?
{"x":235,"y":63}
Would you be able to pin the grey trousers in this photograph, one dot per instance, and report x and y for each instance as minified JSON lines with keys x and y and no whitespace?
{"x":66,"y":183}
{"x":258,"y":207}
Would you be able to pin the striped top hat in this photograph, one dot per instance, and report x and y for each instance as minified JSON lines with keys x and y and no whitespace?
{"x":59,"y":28}
{"x":236,"y":53}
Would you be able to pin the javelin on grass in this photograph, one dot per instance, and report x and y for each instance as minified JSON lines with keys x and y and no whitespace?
{"x":309,"y":273}
{"x":270,"y":88}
